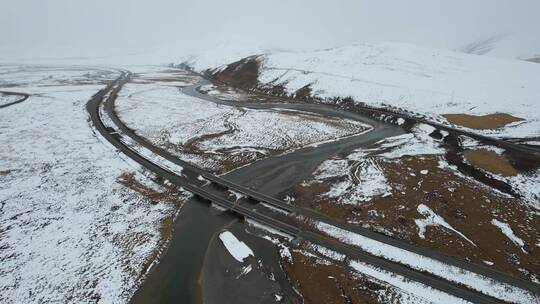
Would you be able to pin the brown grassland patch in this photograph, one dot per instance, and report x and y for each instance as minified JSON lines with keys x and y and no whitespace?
{"x":490,"y":161}
{"x":484,"y":122}
{"x":328,"y":283}
{"x":467,"y":206}
{"x":168,"y":195}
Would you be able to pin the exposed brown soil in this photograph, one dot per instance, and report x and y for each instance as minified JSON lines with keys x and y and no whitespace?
{"x":466,"y":205}
{"x":276,"y":93}
{"x":454,"y":156}
{"x":490,"y":121}
{"x":328,"y":283}
{"x":303,"y":93}
{"x":129,"y":180}
{"x":231,"y":162}
{"x":277,"y":90}
{"x":5,"y":172}
{"x":242,"y":73}
{"x":165,"y":231}
{"x":490,"y":161}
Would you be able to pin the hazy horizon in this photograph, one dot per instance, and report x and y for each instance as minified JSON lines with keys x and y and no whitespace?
{"x":163,"y":29}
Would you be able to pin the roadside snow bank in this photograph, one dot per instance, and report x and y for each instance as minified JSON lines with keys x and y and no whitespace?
{"x":480,"y":283}
{"x":411,"y":287}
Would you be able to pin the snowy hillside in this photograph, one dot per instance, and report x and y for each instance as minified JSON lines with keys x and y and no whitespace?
{"x":423,"y":80}
{"x":222,"y":53}
{"x":519,"y":46}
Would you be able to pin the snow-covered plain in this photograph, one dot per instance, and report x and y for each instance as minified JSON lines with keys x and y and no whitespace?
{"x":168,"y":117}
{"x":69,"y":232}
{"x":6,"y":99}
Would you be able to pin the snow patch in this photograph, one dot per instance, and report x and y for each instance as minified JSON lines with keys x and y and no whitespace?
{"x":506,"y":230}
{"x":433,"y":219}
{"x":238,"y":249}
{"x":360,"y":180}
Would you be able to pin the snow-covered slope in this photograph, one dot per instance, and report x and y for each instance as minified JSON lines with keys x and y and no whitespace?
{"x":221,"y":54}
{"x":423,"y":80}
{"x":519,"y":46}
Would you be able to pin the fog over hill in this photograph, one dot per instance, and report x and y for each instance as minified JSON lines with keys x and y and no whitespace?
{"x":162,"y":31}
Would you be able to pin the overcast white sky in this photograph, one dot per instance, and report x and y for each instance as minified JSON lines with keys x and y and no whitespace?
{"x":98,"y":27}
